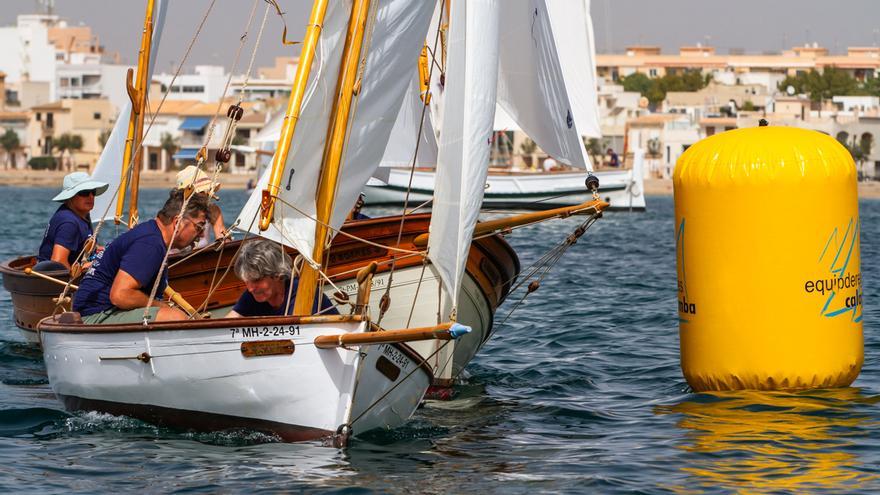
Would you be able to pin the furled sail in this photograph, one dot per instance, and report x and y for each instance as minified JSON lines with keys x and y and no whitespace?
{"x":463,"y":160}
{"x":397,"y":35}
{"x":532,"y":87}
{"x":109,"y":166}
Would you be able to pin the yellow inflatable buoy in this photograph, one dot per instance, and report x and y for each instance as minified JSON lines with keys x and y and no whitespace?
{"x":769,"y":277}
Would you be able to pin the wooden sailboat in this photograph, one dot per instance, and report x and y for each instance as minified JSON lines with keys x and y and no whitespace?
{"x":300,"y":377}
{"x":410,"y":290}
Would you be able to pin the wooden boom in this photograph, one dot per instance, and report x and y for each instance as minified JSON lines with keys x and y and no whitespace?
{"x":446,"y":331}
{"x":483,"y":228}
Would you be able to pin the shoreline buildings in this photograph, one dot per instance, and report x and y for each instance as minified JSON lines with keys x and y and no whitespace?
{"x":50,"y":69}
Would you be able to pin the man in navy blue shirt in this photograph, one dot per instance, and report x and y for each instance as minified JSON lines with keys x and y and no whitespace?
{"x":265,"y":269}
{"x":71,"y":226}
{"x":117,"y":286}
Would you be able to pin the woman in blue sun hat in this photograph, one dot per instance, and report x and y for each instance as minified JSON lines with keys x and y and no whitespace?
{"x":71,"y":226}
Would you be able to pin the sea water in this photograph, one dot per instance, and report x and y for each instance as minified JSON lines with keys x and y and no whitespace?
{"x":579,"y":391}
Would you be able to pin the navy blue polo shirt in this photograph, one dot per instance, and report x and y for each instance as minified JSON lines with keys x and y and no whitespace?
{"x":139,"y":252}
{"x":66,"y":229}
{"x":248,"y":306}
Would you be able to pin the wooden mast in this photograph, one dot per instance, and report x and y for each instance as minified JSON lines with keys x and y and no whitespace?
{"x":294,"y":106}
{"x":347,"y":86}
{"x":137,"y":93}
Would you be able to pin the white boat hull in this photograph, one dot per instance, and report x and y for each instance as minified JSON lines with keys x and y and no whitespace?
{"x":473,"y":310}
{"x":524,"y":190}
{"x":200,"y":377}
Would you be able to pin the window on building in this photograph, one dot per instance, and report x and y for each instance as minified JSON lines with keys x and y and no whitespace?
{"x":39,"y":116}
{"x":65,"y":82}
{"x":710,"y":130}
{"x":175,"y":89}
{"x":50,"y":120}
{"x":193,"y":89}
{"x":652,"y":72}
{"x":96,"y":115}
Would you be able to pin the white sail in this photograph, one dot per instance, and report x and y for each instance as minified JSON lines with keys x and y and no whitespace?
{"x":532,"y":87}
{"x":463,"y":161}
{"x":576,"y":46}
{"x":396,"y":37}
{"x":109,"y":166}
{"x":405,"y":135}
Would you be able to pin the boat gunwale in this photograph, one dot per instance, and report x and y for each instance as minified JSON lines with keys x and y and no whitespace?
{"x":48,"y":325}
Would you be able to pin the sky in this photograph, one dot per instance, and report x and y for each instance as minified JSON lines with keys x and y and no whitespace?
{"x":756,"y":26}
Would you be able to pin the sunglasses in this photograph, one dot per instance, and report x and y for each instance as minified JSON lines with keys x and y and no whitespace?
{"x":86,"y":193}
{"x":200,"y":226}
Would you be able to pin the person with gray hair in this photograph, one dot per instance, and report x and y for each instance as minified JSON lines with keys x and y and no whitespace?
{"x":266,"y":269}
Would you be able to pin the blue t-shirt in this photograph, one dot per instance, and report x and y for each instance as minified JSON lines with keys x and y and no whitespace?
{"x":139,"y":252}
{"x":66,"y":229}
{"x":248,"y":306}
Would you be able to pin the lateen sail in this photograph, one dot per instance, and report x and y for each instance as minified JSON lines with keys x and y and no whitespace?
{"x":532,"y":87}
{"x":397,"y":37}
{"x":576,"y":46}
{"x":109,"y":166}
{"x":463,"y":161}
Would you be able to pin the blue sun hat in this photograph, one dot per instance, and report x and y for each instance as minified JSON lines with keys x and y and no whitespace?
{"x":80,"y":181}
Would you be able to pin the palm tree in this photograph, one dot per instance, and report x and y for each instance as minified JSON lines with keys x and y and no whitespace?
{"x":169,"y":144}
{"x":67,"y":143}
{"x":10,"y":142}
{"x":104,"y":137}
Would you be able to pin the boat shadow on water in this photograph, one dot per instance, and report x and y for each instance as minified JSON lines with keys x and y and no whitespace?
{"x":774,"y":442}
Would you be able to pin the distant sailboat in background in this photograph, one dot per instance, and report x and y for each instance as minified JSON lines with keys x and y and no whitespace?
{"x":547,"y":83}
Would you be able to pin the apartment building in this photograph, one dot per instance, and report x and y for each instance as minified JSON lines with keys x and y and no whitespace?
{"x":85,"y":118}
{"x":738,"y":69}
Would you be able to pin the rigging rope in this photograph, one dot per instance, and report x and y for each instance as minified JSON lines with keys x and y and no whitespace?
{"x":202,"y":157}
{"x":546,"y":263}
{"x":139,"y":142}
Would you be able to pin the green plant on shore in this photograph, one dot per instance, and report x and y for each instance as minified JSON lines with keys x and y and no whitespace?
{"x":655,"y":89}
{"x":67,"y":143}
{"x":10,"y":142}
{"x":103,"y":137}
{"x":169,"y":144}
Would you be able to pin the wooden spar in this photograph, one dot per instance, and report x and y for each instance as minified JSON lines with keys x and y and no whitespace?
{"x":169,"y":292}
{"x":178,"y":299}
{"x":438,"y":332}
{"x":137,"y":93}
{"x":294,"y":107}
{"x":424,"y":76}
{"x":333,"y":149}
{"x":43,"y":276}
{"x":483,"y":228}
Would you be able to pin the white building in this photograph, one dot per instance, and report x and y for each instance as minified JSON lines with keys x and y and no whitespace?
{"x":205,"y":85}
{"x":28,"y":55}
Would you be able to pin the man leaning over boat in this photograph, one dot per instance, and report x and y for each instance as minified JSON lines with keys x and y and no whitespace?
{"x":117,"y":286}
